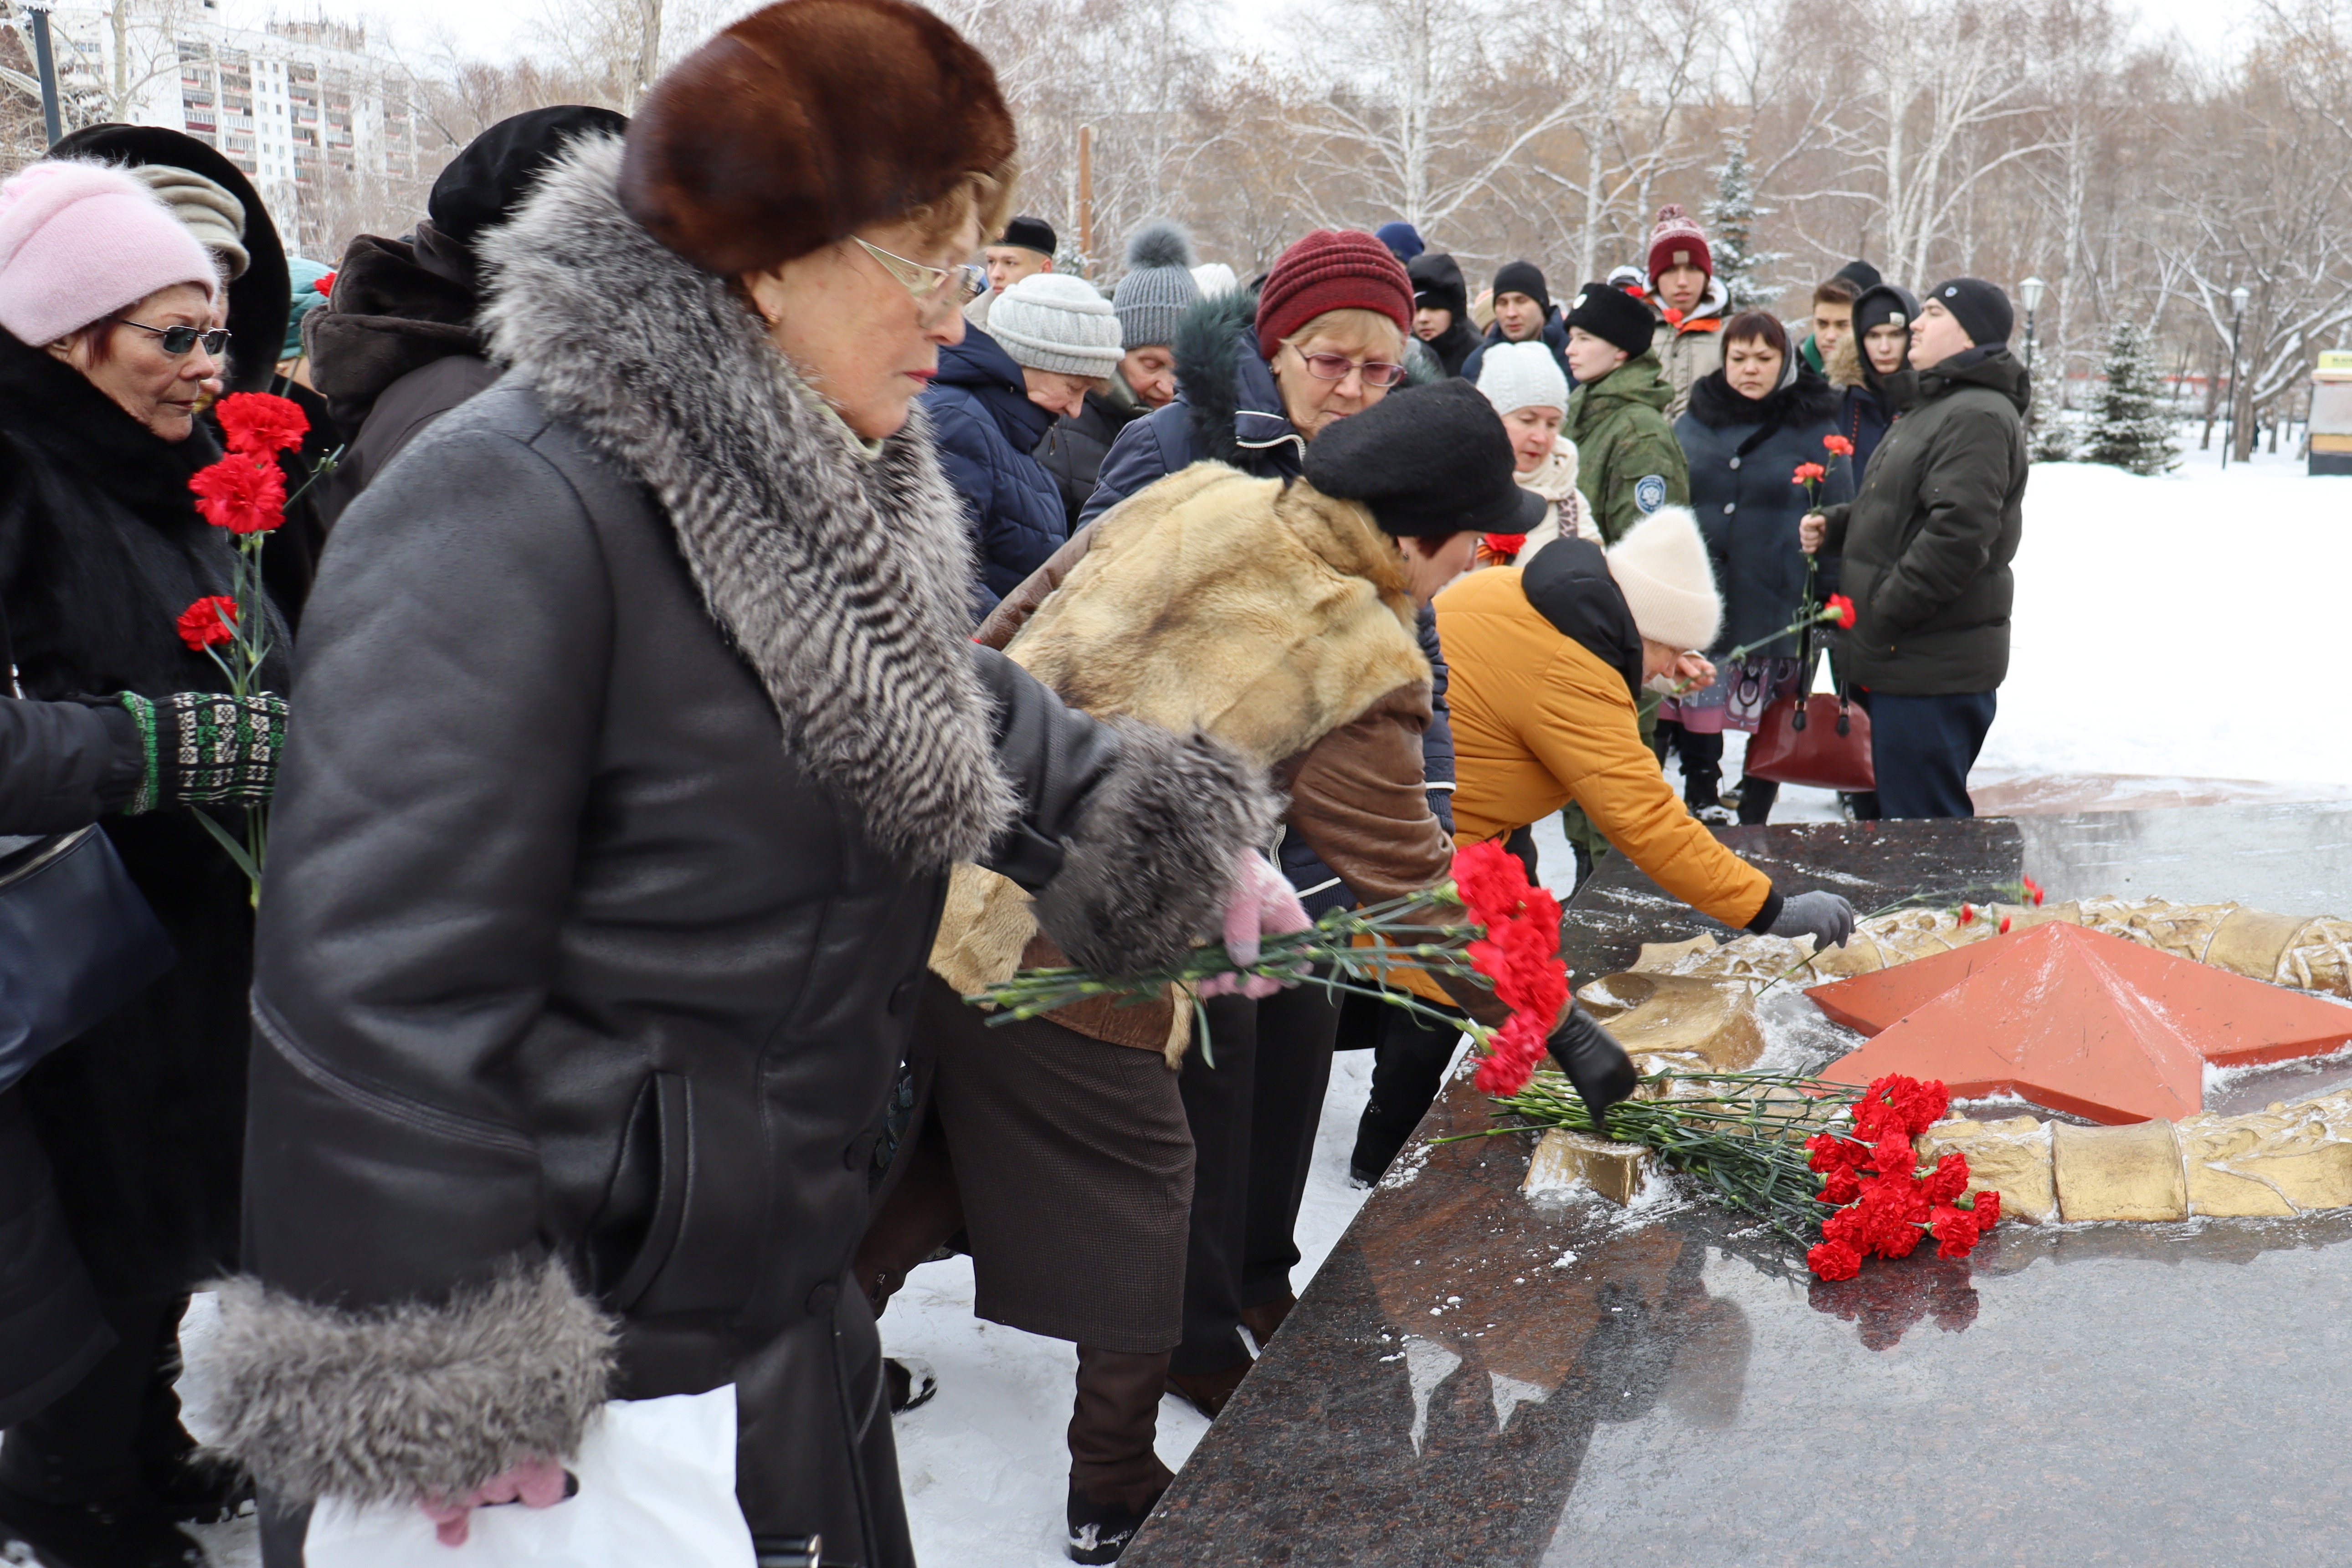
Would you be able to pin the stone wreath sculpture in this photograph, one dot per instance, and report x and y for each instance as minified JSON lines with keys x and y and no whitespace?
{"x":1692,"y":1007}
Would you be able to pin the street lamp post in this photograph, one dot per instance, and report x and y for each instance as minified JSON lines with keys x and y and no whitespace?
{"x":2030,"y":292}
{"x":44,"y":62}
{"x":2236,"y":319}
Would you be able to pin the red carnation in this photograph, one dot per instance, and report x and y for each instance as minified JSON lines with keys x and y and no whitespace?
{"x":241,"y":494}
{"x":2004,"y":925}
{"x":1987,"y":1210}
{"x":1949,"y":1179}
{"x":325,"y":285}
{"x":1840,"y":1187}
{"x":1955,"y":1231}
{"x":1503,"y":546}
{"x":2033,"y":890}
{"x":1520,"y":953}
{"x":209,"y":622}
{"x":1840,"y":610}
{"x":1968,"y":914}
{"x":260,"y":425}
{"x":1809,"y":473}
{"x":1834,"y":1261}
{"x":1839,"y":444}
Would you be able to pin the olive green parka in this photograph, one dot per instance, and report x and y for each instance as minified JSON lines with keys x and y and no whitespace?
{"x":1628,"y":462}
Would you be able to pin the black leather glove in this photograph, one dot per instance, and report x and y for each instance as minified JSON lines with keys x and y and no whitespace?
{"x":1594,"y":1062}
{"x":206,"y":748}
{"x":1825,"y":917}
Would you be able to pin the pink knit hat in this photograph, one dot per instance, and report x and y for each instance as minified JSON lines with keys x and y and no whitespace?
{"x":80,"y":241}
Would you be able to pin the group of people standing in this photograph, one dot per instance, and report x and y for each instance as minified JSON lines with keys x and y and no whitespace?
{"x":738,"y":626}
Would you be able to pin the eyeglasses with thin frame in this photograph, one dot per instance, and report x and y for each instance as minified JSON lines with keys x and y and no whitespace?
{"x":178,"y":341}
{"x":932,"y":286}
{"x":1335,"y":367}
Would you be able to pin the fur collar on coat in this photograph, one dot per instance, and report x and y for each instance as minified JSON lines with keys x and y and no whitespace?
{"x":840,"y":576}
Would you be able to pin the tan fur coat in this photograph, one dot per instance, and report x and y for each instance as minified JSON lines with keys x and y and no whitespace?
{"x":1269,"y":616}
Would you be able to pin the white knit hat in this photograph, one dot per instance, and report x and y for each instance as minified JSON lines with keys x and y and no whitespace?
{"x":1522,"y":375}
{"x":1054,"y":320}
{"x":1214,"y":277}
{"x":1660,"y":567}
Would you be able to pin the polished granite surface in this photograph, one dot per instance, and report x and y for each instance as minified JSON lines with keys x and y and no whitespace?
{"x":1475,"y":1378}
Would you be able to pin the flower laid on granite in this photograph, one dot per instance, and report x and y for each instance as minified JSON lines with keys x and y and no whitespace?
{"x":1511,"y":939}
{"x":1885,"y":1206}
{"x":1824,"y":1165}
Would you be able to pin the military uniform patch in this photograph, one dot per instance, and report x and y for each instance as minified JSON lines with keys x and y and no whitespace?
{"x":1650,"y":493}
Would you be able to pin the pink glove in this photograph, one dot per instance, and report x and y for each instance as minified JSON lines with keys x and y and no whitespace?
{"x":1261,"y":904}
{"x":535,"y":1483}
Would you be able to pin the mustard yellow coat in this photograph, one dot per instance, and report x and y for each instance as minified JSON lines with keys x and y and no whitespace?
{"x":1539,"y":721}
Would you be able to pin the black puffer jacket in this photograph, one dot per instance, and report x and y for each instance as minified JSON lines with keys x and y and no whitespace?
{"x":1928,"y":539}
{"x":593,"y":936}
{"x":101,"y":550}
{"x":1743,"y":453}
{"x":1073,"y":451}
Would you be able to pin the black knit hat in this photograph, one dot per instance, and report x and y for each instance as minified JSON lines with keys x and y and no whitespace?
{"x":1030,"y":233}
{"x":1429,"y":462}
{"x":1613,"y":316}
{"x":485,"y":184}
{"x":1437,"y":283}
{"x":1523,"y":277}
{"x":1861,"y":274}
{"x":1980,"y":307}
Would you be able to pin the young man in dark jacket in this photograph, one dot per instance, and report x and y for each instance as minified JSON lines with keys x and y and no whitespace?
{"x":1523,"y":313}
{"x":1928,"y":543}
{"x":1441,"y":310}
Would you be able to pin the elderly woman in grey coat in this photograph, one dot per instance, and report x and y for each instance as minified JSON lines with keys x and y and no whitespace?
{"x":594,"y":922}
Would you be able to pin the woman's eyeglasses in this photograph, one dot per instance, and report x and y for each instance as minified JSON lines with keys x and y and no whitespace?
{"x":178,"y":341}
{"x":933,"y":286}
{"x":1335,"y":367}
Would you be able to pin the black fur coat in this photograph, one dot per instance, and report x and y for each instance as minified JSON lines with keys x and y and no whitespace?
{"x":101,"y":550}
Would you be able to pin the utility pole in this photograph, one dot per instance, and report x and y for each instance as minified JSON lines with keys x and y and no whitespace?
{"x":45,"y":61}
{"x":1087,"y":194}
{"x":2237,"y":319}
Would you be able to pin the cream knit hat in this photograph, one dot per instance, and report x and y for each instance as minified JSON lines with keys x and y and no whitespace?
{"x":1522,"y":375}
{"x":1660,"y":567}
{"x":1054,"y":320}
{"x":214,"y":215}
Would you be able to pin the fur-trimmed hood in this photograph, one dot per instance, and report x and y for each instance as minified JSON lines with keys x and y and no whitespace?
{"x":840,"y":575}
{"x":1230,"y":392}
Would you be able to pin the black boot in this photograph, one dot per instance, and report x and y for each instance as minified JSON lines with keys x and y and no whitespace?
{"x":1099,"y":1532}
{"x":911,"y":1382}
{"x":91,"y":1535}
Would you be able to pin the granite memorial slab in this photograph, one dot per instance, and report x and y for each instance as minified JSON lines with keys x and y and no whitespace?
{"x":1477,"y":1377}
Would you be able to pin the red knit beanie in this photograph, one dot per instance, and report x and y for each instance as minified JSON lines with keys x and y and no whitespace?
{"x":1331,"y":269}
{"x":1677,"y":241}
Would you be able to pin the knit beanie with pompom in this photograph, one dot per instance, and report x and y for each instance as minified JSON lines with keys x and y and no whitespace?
{"x":1056,"y":321}
{"x":80,"y":241}
{"x":1158,"y":289}
{"x":1677,"y":240}
{"x":1660,"y":567}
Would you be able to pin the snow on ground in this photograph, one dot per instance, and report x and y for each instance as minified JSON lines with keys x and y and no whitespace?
{"x":2183,"y":626}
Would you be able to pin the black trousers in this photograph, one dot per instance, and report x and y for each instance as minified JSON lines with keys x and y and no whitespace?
{"x":1253,"y":1116}
{"x":1408,"y":1056}
{"x":1922,"y":748}
{"x":1702,"y":763}
{"x":115,"y":1436}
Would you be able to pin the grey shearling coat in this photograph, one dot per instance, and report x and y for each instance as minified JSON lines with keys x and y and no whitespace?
{"x":601,"y":893}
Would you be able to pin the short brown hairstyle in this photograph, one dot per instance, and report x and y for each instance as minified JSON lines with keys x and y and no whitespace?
{"x":1751,"y":326}
{"x":1836,"y":292}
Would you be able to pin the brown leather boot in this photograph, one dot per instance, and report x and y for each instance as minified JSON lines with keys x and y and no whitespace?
{"x":1265,"y":1319}
{"x":1207,"y":1391}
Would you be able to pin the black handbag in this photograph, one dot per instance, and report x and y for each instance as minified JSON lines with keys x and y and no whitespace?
{"x":76,"y":938}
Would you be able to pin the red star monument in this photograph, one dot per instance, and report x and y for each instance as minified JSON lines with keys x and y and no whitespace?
{"x":2074,"y":1020}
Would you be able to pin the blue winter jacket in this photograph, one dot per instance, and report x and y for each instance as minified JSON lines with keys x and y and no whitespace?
{"x":1555,"y":338}
{"x":985,"y":428}
{"x":1228,"y":410}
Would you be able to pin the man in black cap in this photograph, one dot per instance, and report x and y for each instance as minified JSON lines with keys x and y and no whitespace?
{"x":1025,"y":247}
{"x":1441,"y":310}
{"x":1523,"y":313}
{"x":395,"y":345}
{"x":1927,"y":544}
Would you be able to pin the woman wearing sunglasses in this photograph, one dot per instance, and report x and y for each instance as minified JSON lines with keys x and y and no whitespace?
{"x":596,"y":916}
{"x":112,"y":344}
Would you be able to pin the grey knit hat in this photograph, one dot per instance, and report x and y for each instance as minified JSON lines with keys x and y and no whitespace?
{"x":1159,"y":287}
{"x":1056,"y":321}
{"x":206,"y":208}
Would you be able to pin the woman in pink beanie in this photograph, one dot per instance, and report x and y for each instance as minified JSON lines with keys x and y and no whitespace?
{"x":120,"y":1151}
